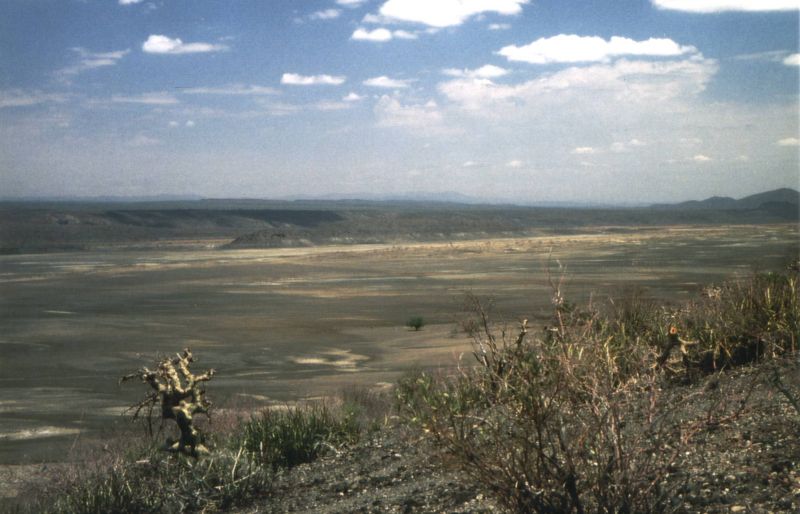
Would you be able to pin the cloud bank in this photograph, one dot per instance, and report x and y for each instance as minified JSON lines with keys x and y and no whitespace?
{"x":570,"y":48}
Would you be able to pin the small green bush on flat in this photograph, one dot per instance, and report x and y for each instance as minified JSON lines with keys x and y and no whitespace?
{"x":415,"y":322}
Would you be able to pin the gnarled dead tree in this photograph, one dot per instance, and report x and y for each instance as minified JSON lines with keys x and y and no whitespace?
{"x":180,"y":395}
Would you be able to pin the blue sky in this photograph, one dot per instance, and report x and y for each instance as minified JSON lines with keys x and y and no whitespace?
{"x":618,"y":101}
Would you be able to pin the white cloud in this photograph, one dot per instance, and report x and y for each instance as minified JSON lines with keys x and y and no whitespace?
{"x":190,"y":123}
{"x":469,"y":164}
{"x":768,"y":56}
{"x":515,"y":163}
{"x":584,"y":150}
{"x":294,"y":79}
{"x":173,"y":123}
{"x":350,"y":3}
{"x":325,"y":14}
{"x":792,"y":60}
{"x":623,"y":82}
{"x":789,"y":141}
{"x":158,"y":44}
{"x":446,"y":13}
{"x":91,"y":60}
{"x":391,"y":113}
{"x":571,"y":48}
{"x":159,"y":98}
{"x":352,"y":97}
{"x":231,"y":89}
{"x":381,"y":35}
{"x":130,"y":2}
{"x":499,"y":26}
{"x":20,"y":98}
{"x":488,"y":71}
{"x":702,"y":158}
{"x":386,"y":82}
{"x":713,"y":6}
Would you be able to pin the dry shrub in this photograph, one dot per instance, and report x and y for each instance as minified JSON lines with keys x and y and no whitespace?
{"x":585,"y":417}
{"x":558,"y":423}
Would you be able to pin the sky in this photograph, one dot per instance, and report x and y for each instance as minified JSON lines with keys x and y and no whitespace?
{"x":596,"y":101}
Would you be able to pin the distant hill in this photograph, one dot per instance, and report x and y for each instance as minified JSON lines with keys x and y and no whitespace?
{"x":783,"y":202}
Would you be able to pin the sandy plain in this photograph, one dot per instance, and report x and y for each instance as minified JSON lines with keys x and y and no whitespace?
{"x":281,"y":325}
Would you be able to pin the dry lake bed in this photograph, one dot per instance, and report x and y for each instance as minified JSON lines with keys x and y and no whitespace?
{"x":285,"y":324}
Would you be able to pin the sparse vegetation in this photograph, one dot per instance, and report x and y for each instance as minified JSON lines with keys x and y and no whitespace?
{"x":236,"y":470}
{"x":582,"y":418}
{"x":286,"y":438}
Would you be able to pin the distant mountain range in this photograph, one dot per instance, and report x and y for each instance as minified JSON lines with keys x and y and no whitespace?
{"x":784,"y":200}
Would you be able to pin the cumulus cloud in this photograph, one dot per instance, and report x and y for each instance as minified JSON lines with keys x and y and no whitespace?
{"x":232,"y":90}
{"x":714,"y":6}
{"x":499,"y":26}
{"x":381,"y":35}
{"x":570,"y":48}
{"x":488,"y":71}
{"x":350,"y":3}
{"x":446,"y":13}
{"x":130,"y":2}
{"x":792,"y":60}
{"x":159,"y":44}
{"x":386,"y":82}
{"x":584,"y":150}
{"x":789,"y":141}
{"x":293,"y":79}
{"x":702,"y":158}
{"x":352,"y":97}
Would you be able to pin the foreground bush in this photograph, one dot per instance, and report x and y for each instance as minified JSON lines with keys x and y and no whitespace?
{"x":147,"y":481}
{"x":286,"y":438}
{"x":578,"y":419}
{"x":236,"y":471}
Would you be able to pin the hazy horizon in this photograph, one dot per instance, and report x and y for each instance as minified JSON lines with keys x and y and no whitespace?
{"x":630,"y":102}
